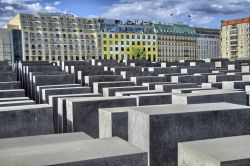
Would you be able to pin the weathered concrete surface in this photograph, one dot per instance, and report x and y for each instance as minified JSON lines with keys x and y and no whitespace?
{"x":190,"y":90}
{"x":42,"y":139}
{"x":59,"y":108}
{"x":128,"y":93}
{"x":113,"y":122}
{"x":98,"y":86}
{"x":61,"y":91}
{"x":10,"y":85}
{"x":17,"y":103}
{"x":210,"y":96}
{"x":141,"y":79}
{"x":158,"y":129}
{"x":220,"y":78}
{"x":12,"y":93}
{"x":228,"y":151}
{"x":89,"y":80}
{"x":151,"y":85}
{"x":153,"y":99}
{"x":13,"y":99}
{"x":112,"y":90}
{"x":168,"y":87}
{"x":83,"y":113}
{"x":8,"y":76}
{"x":235,"y":84}
{"x":212,"y":85}
{"x":40,"y":88}
{"x":41,"y":80}
{"x":85,"y":153}
{"x":17,"y":121}
{"x":197,"y":79}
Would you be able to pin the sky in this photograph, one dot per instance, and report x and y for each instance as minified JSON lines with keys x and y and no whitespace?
{"x":203,"y":13}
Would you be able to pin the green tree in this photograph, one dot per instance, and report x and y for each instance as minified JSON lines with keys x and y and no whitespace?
{"x":138,"y":53}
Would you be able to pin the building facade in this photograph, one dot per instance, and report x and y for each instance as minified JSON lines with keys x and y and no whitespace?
{"x":175,"y":42}
{"x":52,"y":37}
{"x":208,"y":43}
{"x":120,"y":41}
{"x":6,"y":49}
{"x":235,"y":38}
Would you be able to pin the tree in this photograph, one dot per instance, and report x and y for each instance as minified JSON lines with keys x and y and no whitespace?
{"x":138,"y":53}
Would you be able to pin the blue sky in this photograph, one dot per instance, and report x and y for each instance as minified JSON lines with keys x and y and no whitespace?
{"x":194,"y":12}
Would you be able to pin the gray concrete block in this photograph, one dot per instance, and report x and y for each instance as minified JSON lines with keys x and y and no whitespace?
{"x":158,"y":129}
{"x":61,"y":91}
{"x":42,"y":140}
{"x":40,"y":88}
{"x":164,"y":70}
{"x":16,"y":103}
{"x":153,"y":99}
{"x":40,"y":80}
{"x":113,"y":122}
{"x":141,"y":79}
{"x":210,"y":96}
{"x":17,"y":121}
{"x":8,"y":76}
{"x":197,"y":79}
{"x":81,"y":74}
{"x":89,"y":80}
{"x":128,"y":93}
{"x":85,"y":153}
{"x":228,"y":151}
{"x":190,"y":90}
{"x":98,"y":86}
{"x":151,"y":85}
{"x":10,"y":85}
{"x":59,"y":108}
{"x":212,"y":85}
{"x":12,"y":93}
{"x":230,"y":85}
{"x":83,"y":113}
{"x":220,"y":78}
{"x":112,"y":90}
{"x":13,"y":99}
{"x":168,"y":87}
{"x":192,"y":70}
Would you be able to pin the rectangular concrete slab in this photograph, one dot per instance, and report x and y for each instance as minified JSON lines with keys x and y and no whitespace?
{"x":128,"y":93}
{"x":12,"y":93}
{"x":60,"y":111}
{"x":17,"y":103}
{"x":85,"y":153}
{"x":10,"y":85}
{"x":98,"y":86}
{"x":17,"y":142}
{"x":153,"y":99}
{"x":83,"y":113}
{"x":158,"y":129}
{"x":113,"y":122}
{"x":112,"y":90}
{"x":17,"y":121}
{"x":228,"y":151}
{"x":60,"y":91}
{"x":168,"y":87}
{"x":210,"y":96}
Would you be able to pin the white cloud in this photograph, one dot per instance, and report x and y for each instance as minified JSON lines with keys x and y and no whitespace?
{"x":9,"y":8}
{"x":171,"y":11}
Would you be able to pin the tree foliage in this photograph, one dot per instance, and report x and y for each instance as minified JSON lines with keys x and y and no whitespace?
{"x":138,"y":53}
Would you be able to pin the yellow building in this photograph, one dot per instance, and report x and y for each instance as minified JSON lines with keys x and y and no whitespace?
{"x":52,"y":37}
{"x":118,"y":45}
{"x":235,"y":39}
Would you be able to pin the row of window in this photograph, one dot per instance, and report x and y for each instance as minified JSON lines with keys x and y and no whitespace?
{"x":116,"y":36}
{"x":125,"y":49}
